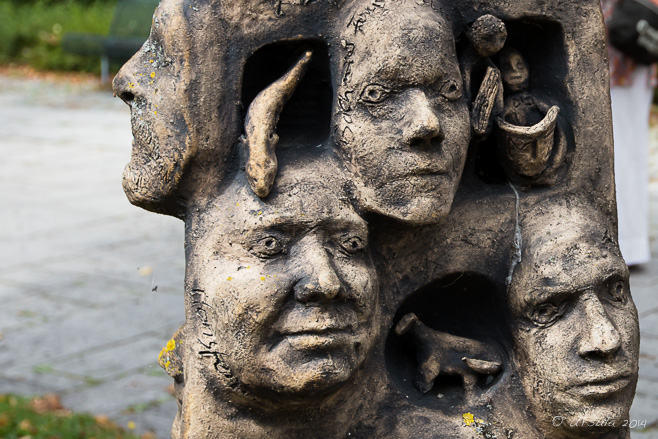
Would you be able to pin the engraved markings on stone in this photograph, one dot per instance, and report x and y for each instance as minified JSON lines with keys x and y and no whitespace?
{"x":322,"y":330}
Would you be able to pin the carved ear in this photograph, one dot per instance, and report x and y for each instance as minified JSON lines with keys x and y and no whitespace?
{"x":260,"y":126}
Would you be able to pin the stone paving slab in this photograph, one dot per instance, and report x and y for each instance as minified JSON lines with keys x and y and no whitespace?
{"x":79,"y":264}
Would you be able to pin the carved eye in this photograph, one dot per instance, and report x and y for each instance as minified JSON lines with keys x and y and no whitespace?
{"x":352,"y":244}
{"x":617,"y":291}
{"x":374,"y":94}
{"x":267,"y":247}
{"x":450,"y":90}
{"x":545,"y":314}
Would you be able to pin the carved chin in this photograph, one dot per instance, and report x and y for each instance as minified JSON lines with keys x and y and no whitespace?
{"x":574,"y":412}
{"x":318,"y":376}
{"x":301,"y":366}
{"x":398,"y":203}
{"x":147,"y":184}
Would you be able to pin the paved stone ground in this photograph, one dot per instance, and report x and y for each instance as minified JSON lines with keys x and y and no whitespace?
{"x":78,"y":262}
{"x":79,"y":316}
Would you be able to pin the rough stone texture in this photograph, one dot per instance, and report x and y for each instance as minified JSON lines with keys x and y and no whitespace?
{"x":400,"y":217}
{"x":24,"y":277}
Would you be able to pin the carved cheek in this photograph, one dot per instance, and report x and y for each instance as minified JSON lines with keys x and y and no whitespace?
{"x":360,"y":282}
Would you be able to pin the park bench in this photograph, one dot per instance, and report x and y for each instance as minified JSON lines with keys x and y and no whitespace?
{"x":129,"y":29}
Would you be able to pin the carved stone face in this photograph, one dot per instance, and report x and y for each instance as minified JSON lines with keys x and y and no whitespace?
{"x":576,"y":332}
{"x":402,"y":124}
{"x":149,"y":83}
{"x":514,"y":70}
{"x":292,"y":286}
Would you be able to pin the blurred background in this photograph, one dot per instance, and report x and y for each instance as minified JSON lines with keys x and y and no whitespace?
{"x":91,"y":287}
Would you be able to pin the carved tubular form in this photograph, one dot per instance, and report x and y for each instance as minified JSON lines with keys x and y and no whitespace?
{"x":528,"y":149}
{"x":260,"y":126}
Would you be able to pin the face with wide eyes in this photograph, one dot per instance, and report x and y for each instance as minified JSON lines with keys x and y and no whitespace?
{"x":401,"y":122}
{"x":292,"y":289}
{"x":576,"y":336}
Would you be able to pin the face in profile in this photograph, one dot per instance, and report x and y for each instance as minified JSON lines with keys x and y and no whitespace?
{"x":149,"y":82}
{"x":290,"y":283}
{"x":402,"y":124}
{"x":576,"y":331}
{"x":514,"y":70}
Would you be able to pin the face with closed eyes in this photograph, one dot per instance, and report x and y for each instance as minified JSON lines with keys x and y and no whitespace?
{"x":576,"y":332}
{"x":514,"y":70}
{"x":402,"y":124}
{"x":291,"y":286}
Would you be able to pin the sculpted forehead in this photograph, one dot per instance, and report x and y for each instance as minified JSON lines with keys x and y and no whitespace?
{"x":303,"y":197}
{"x":417,"y":46}
{"x":566,"y":254}
{"x":568,"y":266}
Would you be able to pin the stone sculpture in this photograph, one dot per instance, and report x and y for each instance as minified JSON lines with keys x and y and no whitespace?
{"x":382,"y":240}
{"x":575,"y":325}
{"x":527,"y":126}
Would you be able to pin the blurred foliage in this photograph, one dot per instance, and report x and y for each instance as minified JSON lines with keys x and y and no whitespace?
{"x":31,"y":31}
{"x":46,"y":418}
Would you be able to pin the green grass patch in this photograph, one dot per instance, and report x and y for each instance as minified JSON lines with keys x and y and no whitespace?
{"x":45,"y":418}
{"x":43,"y":369}
{"x":31,"y":32}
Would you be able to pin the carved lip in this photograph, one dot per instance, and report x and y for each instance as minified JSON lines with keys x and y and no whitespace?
{"x":428,"y":171}
{"x":316,"y":330}
{"x":424,"y":171}
{"x":516,"y":77}
{"x":318,"y":340}
{"x":602,"y":387}
{"x":314,"y":320}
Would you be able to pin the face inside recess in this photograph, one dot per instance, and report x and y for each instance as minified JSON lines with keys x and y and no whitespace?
{"x":514,"y":70}
{"x":402,"y":123}
{"x":290,"y":282}
{"x":576,"y":332}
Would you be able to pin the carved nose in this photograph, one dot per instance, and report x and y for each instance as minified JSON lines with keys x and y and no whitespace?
{"x":125,"y":86}
{"x":319,"y":280}
{"x":318,"y":287}
{"x":424,"y":126}
{"x":600,"y":338}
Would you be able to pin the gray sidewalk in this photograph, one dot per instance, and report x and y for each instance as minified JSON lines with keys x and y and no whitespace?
{"x":78,"y":262}
{"x":79,"y":265}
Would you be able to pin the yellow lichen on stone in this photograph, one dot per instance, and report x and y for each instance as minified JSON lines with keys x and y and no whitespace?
{"x":168,"y":361}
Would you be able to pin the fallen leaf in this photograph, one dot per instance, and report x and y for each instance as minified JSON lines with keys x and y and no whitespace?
{"x":47,"y":403}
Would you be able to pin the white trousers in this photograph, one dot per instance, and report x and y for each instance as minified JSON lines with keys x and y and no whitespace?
{"x":630,"y":121}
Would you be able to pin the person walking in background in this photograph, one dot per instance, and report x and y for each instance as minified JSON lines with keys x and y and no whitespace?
{"x":631,"y":91}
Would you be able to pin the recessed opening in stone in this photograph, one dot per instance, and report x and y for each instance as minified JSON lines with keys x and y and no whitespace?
{"x":306,"y":118}
{"x":461,"y":304}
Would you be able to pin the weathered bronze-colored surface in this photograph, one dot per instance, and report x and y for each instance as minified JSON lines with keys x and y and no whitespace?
{"x":399,"y":215}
